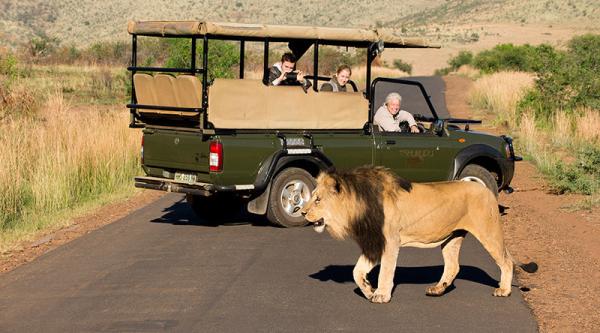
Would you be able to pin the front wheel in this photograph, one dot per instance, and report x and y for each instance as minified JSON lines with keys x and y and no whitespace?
{"x":479,"y":174}
{"x":290,"y":191}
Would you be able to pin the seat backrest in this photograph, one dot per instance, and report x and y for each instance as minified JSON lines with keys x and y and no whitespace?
{"x":189,"y":91}
{"x":183,"y":91}
{"x":340,"y":110}
{"x":145,"y":92}
{"x":236,"y":103}
{"x":249,"y":104}
{"x":165,"y":90}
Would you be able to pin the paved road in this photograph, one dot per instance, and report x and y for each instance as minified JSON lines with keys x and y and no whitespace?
{"x":160,"y":269}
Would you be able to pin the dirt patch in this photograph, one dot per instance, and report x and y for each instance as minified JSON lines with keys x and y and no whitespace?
{"x":79,"y":226}
{"x":540,"y":226}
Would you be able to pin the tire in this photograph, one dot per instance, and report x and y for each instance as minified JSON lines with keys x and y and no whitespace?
{"x":477,"y":173}
{"x":290,"y":191}
{"x":215,"y":208}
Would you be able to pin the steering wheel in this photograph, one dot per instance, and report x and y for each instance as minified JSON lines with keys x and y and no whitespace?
{"x":405,"y":127}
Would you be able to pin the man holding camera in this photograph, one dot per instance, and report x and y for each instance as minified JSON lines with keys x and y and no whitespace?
{"x":283,"y":73}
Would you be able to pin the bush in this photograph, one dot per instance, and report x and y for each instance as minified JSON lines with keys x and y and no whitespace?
{"x":567,"y":80}
{"x":403,"y":66}
{"x":107,"y":53}
{"x":580,"y":177}
{"x":463,"y":58}
{"x":524,"y":58}
{"x":42,"y":46}
{"x":9,"y":66}
{"x":222,"y":57}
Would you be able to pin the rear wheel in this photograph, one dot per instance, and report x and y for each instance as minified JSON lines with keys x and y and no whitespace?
{"x":479,"y":174}
{"x":290,"y":191}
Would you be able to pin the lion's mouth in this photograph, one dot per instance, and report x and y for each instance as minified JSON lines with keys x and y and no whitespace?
{"x":319,"y":225}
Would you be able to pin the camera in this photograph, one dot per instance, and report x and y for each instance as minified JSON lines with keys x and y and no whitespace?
{"x":292,"y":76}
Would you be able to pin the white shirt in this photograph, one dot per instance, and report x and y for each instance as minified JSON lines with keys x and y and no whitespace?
{"x":386,"y":122}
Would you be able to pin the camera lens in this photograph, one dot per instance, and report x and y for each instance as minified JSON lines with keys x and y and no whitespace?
{"x":293,"y":76}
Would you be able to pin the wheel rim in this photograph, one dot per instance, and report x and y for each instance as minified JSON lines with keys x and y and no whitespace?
{"x":294,"y":196}
{"x":473,"y":179}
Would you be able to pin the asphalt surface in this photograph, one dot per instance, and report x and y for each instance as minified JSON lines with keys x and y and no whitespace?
{"x":161,"y":269}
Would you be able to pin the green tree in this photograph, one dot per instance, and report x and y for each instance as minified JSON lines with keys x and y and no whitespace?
{"x":222,"y":58}
{"x":566,"y":80}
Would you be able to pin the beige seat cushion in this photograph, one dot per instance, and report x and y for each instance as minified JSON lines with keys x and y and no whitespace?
{"x":145,"y":92}
{"x":165,"y":90}
{"x":237,"y":104}
{"x":249,"y":104}
{"x":189,"y":91}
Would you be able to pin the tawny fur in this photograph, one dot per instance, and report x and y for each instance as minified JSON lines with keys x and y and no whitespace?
{"x":417,"y":215}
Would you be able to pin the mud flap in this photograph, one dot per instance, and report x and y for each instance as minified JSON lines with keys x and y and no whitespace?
{"x":259,"y":204}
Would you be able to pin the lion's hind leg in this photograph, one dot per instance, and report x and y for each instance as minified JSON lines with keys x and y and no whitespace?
{"x":497,"y":250}
{"x":450,"y":252}
{"x":362,"y":268}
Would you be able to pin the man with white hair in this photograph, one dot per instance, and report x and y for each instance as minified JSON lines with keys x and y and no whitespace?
{"x":389,"y":116}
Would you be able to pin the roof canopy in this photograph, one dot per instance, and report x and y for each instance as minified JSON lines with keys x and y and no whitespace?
{"x":259,"y":32}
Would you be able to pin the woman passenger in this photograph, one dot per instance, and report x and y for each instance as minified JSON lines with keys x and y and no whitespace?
{"x":339,"y":80}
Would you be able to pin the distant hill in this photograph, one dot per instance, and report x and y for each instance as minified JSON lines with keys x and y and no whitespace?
{"x":83,"y":21}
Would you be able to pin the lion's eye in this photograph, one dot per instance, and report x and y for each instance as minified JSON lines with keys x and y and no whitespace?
{"x":317,"y":200}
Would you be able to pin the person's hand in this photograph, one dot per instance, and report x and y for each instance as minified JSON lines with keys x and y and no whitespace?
{"x":281,"y":77}
{"x":300,"y":76}
{"x":414,"y":129}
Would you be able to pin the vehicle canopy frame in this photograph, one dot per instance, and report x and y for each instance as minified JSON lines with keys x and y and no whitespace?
{"x":299,"y":39}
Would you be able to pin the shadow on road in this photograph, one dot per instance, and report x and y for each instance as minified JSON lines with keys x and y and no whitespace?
{"x":405,"y":275}
{"x":180,"y":213}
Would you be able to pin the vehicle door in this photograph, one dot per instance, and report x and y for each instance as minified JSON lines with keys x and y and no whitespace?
{"x":421,"y":157}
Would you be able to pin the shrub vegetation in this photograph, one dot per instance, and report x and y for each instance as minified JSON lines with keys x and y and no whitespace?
{"x":558,"y":117}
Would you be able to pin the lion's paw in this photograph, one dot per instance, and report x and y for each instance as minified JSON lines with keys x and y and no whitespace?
{"x":380,"y":298}
{"x":368,"y":293}
{"x":499,"y":292}
{"x":435,"y":290}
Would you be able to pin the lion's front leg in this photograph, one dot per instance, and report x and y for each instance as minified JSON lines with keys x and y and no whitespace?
{"x":362,"y":268}
{"x":385,"y":283}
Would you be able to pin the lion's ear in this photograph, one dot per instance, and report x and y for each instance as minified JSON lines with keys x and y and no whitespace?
{"x":330,"y":182}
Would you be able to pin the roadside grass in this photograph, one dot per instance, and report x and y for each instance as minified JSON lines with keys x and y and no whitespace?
{"x":500,"y":93}
{"x":566,"y":147}
{"x":57,"y":157}
{"x":83,"y":84}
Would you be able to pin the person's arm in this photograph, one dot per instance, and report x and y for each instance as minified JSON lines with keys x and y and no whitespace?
{"x":275,"y":76}
{"x":385,"y":123}
{"x":406,"y":116}
{"x":326,"y":87}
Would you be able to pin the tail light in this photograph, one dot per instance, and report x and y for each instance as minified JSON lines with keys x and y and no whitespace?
{"x":142,"y":151}
{"x":215,"y":157}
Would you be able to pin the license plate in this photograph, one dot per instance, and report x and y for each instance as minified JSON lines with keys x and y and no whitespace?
{"x":185,"y":177}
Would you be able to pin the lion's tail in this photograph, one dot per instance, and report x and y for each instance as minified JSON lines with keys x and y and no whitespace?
{"x":530,"y":267}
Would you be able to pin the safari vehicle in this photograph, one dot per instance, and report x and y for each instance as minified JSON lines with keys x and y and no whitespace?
{"x":223,"y":142}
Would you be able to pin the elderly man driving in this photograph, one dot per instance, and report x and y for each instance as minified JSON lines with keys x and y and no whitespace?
{"x":389,"y":116}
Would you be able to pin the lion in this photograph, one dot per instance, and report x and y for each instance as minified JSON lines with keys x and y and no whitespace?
{"x":383,"y":212}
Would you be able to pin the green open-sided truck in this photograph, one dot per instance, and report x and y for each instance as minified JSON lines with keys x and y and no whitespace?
{"x":223,"y":142}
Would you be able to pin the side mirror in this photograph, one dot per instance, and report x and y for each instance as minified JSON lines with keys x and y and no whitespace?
{"x":438,"y":127}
